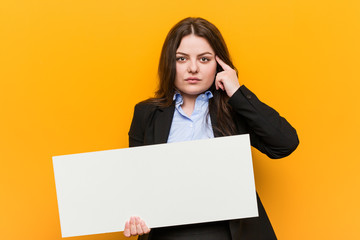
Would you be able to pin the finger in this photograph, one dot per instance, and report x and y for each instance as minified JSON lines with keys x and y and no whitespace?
{"x":127,"y":229}
{"x":222,"y":63}
{"x":219,"y":83}
{"x":132,"y":226}
{"x":138,"y":226}
{"x":144,"y":227}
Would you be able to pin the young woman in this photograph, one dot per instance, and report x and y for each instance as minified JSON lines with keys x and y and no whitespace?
{"x":199,"y":96}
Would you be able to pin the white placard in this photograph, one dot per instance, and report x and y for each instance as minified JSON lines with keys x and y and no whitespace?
{"x":165,"y":184}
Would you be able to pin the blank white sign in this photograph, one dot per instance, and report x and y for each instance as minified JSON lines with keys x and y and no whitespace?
{"x":165,"y":184}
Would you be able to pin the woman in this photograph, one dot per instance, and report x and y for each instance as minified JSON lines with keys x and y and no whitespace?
{"x":200,"y":97}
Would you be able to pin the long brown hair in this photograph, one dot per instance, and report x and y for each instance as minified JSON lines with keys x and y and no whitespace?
{"x":200,"y":27}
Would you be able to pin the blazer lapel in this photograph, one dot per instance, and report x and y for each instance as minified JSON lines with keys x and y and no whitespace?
{"x":163,"y":124}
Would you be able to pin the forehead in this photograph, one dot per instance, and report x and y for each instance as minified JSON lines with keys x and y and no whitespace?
{"x":192,"y":44}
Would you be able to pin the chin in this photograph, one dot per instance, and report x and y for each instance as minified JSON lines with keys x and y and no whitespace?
{"x":193,"y":91}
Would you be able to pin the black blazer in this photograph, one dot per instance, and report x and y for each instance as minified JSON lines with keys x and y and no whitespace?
{"x":269,"y":133}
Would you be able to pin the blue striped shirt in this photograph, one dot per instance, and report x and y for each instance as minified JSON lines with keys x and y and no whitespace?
{"x":197,"y":126}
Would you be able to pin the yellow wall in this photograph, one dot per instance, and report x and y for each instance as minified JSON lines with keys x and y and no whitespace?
{"x":71,"y":72}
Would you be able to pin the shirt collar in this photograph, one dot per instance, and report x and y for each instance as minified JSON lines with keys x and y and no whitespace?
{"x":204,"y":96}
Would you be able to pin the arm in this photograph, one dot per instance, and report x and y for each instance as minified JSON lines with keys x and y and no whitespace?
{"x":269,"y":132}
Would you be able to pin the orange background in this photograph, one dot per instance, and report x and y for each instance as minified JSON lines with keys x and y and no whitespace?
{"x":72,"y":71}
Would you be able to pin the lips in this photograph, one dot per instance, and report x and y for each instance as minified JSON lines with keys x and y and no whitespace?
{"x":192,"y":80}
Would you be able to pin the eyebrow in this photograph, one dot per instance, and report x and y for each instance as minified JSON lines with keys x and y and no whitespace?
{"x":198,"y":55}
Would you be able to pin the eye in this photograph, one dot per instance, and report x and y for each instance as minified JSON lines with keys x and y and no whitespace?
{"x":204,"y":59}
{"x":180,"y":59}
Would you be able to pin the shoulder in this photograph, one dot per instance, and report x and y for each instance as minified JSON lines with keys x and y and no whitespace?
{"x":144,"y":106}
{"x":146,"y":114}
{"x":147,"y":106}
{"x":142,"y":112}
{"x":145,"y":110}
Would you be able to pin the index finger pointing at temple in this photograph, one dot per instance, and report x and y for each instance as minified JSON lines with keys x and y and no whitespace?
{"x":222,"y":64}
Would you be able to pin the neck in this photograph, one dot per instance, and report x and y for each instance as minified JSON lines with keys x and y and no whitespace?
{"x":188,"y":103}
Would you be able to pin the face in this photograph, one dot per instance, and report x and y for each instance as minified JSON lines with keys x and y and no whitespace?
{"x":195,"y":66}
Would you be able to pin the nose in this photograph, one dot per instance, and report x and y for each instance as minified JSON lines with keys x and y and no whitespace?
{"x":193,"y":67}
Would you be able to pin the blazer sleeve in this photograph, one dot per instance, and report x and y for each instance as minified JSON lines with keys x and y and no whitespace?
{"x":269,"y":132}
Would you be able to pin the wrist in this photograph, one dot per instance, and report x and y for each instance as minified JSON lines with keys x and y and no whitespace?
{"x":233,"y":90}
